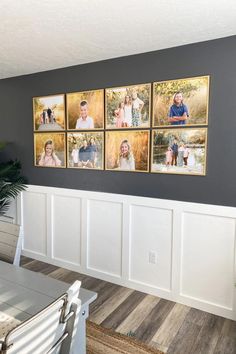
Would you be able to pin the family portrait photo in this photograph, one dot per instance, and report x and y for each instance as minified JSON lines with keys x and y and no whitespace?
{"x":181,"y":102}
{"x":127,"y":150}
{"x":49,"y":113}
{"x":180,"y":151}
{"x":128,"y":107}
{"x":85,"y":150}
{"x":85,"y":110}
{"x":49,"y":150}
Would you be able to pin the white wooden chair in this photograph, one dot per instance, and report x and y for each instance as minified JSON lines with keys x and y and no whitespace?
{"x":51,"y":331}
{"x":9,"y":242}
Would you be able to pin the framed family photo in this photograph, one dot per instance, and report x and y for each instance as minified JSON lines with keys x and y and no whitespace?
{"x":50,"y":150}
{"x":127,"y":150}
{"x":181,"y":102}
{"x":179,"y":151}
{"x":85,"y":150}
{"x":49,"y":113}
{"x":128,"y":107}
{"x":85,"y":110}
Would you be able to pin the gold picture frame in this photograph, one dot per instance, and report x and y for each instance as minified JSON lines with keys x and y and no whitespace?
{"x":85,"y":110}
{"x":186,"y":98}
{"x":85,"y":156}
{"x":50,"y":150}
{"x":127,"y":150}
{"x":49,"y":113}
{"x":128,"y":107}
{"x":187,"y":158}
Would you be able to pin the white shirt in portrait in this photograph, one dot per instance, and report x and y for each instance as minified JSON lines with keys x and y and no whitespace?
{"x":127,"y":164}
{"x":84,"y":123}
{"x":137,"y":102}
{"x":128,"y":115}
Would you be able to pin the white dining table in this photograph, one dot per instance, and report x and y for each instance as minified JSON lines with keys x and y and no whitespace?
{"x":23,"y":293}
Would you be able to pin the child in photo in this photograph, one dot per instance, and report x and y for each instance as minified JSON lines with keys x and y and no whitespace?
{"x":137,"y":106}
{"x":119,"y":114}
{"x":178,"y":112}
{"x":48,"y":157}
{"x":168,"y":156}
{"x":126,"y":159}
{"x":84,"y":121}
{"x":75,"y":155}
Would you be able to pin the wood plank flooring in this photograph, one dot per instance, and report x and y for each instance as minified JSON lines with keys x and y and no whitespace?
{"x":168,"y":326}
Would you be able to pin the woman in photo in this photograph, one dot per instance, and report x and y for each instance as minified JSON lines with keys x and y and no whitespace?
{"x":48,"y":157}
{"x":178,"y":112}
{"x":186,"y":155}
{"x":127,"y":112}
{"x":181,"y":155}
{"x":126,"y":159}
{"x":93,"y":151}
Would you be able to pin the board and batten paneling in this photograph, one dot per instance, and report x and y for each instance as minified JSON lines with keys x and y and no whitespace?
{"x":36,"y":217}
{"x":104,"y":236}
{"x":208,"y":250}
{"x":66,"y":226}
{"x":151,"y":236}
{"x":180,"y":251}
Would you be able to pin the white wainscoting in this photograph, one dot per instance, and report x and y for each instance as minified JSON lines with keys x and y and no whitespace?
{"x":180,"y":251}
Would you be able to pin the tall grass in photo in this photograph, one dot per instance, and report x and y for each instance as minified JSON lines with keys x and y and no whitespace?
{"x":58,"y":140}
{"x":139,"y":143}
{"x":95,"y":101}
{"x":195,"y":96}
{"x":57,"y":105}
{"x":116,"y":95}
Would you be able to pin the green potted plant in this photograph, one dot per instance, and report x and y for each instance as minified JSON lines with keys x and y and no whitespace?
{"x":11,"y":182}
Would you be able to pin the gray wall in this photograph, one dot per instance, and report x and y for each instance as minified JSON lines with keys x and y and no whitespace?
{"x":216,"y":58}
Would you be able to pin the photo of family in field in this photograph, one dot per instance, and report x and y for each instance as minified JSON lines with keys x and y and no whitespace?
{"x":85,"y":110}
{"x":49,"y":149}
{"x":181,"y":102}
{"x":128,"y":107}
{"x":85,"y":150}
{"x":49,"y":113}
{"x":127,"y":150}
{"x":180,"y":151}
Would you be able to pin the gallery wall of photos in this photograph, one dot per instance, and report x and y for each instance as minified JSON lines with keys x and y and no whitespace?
{"x":158,"y":127}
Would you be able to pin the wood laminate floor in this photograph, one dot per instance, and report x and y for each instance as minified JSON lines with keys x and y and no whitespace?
{"x":166,"y":325}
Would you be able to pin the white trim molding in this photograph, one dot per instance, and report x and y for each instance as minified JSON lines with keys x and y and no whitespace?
{"x":181,"y":251}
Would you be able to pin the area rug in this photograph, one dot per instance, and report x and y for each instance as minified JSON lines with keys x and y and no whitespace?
{"x":105,"y":341}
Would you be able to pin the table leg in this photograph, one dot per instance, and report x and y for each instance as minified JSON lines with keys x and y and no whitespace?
{"x":80,"y":339}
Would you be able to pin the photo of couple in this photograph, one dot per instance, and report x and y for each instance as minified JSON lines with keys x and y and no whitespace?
{"x":49,"y":113}
{"x":128,"y":107}
{"x":85,"y":150}
{"x":85,"y":110}
{"x":180,"y":151}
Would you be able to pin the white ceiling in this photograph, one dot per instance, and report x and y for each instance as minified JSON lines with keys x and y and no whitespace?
{"x":39,"y":35}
